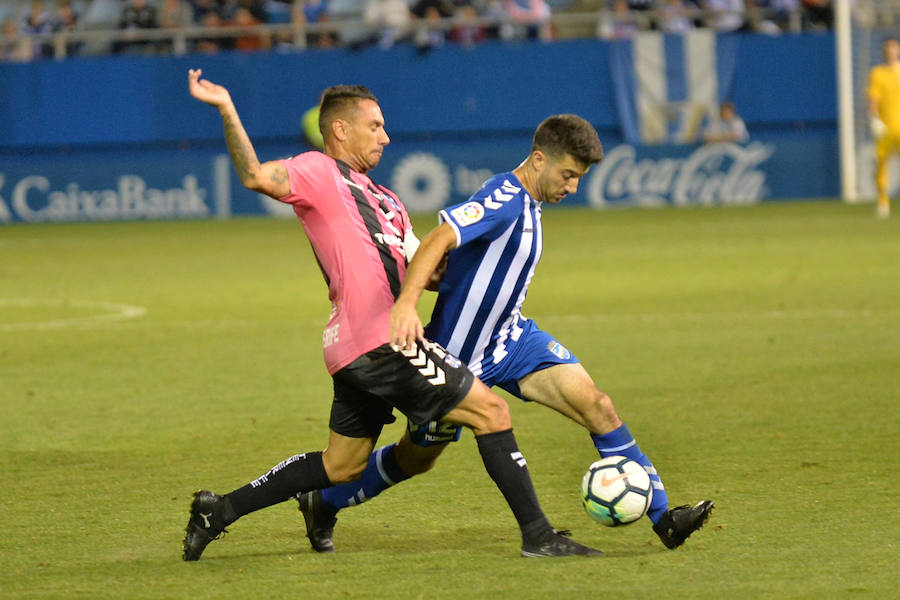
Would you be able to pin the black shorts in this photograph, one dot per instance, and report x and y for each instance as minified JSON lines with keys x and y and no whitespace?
{"x":424,"y":384}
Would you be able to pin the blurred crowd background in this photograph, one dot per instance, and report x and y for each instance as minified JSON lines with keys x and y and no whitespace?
{"x":40,"y":29}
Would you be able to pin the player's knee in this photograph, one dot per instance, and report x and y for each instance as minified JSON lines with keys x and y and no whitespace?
{"x":600,"y":414}
{"x":344,"y":472}
{"x":482,"y":411}
{"x":495,"y":414}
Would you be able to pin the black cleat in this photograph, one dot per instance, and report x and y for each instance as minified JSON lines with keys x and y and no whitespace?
{"x":680,"y":522}
{"x":319,"y":521}
{"x":555,"y":543}
{"x":205,"y":525}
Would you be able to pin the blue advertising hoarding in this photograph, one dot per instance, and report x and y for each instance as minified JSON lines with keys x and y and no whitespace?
{"x":200,"y":182}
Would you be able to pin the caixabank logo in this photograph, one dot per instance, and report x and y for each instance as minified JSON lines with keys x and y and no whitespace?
{"x":36,"y":198}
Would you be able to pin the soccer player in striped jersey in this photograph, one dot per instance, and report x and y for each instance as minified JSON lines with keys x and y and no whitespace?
{"x":361,"y":236}
{"x":494,"y":243}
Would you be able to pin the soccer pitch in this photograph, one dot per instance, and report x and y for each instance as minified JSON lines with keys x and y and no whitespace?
{"x":754,"y":352}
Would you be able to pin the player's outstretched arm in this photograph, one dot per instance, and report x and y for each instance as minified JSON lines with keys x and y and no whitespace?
{"x":406,"y":327}
{"x":270,"y":178}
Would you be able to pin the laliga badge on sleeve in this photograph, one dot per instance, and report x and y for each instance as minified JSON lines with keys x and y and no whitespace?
{"x":468,"y":213}
{"x":559,"y":350}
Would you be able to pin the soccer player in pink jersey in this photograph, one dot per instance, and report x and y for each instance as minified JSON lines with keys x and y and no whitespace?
{"x":492,"y":245}
{"x":362,"y":239}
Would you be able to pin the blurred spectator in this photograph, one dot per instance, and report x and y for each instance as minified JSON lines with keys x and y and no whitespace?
{"x":36,"y":22}
{"x":729,"y":127}
{"x":136,"y":15}
{"x":819,"y":13}
{"x":467,"y":31}
{"x":639,"y":5}
{"x":429,"y":31}
{"x":15,"y":48}
{"x":534,"y":15}
{"x":248,"y":42}
{"x":389,"y":21}
{"x":445,"y":8}
{"x":228,"y":9}
{"x":213,"y":44}
{"x":728,"y":15}
{"x":773,"y":16}
{"x":314,"y":11}
{"x":66,"y":20}
{"x":675,"y":16}
{"x":279,"y":11}
{"x":175,"y":14}
{"x":204,"y":7}
{"x":494,"y":9}
{"x":782,"y":11}
{"x":621,"y":25}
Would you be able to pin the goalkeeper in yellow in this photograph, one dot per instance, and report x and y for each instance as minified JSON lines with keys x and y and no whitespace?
{"x":884,"y":111}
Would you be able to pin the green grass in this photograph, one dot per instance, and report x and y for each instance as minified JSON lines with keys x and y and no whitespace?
{"x":754,"y":352}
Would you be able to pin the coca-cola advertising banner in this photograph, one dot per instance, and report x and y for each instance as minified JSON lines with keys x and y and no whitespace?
{"x":107,"y":185}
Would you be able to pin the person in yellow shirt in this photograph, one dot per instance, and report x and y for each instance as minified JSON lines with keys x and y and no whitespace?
{"x":884,"y":111}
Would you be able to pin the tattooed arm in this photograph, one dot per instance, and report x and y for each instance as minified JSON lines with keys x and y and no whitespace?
{"x":270,"y":178}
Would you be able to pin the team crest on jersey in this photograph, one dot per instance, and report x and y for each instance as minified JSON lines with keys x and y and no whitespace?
{"x":468,"y":213}
{"x":559,"y":350}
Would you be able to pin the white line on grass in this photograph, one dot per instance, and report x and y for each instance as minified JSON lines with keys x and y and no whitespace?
{"x":108,"y":311}
{"x":830,"y":313}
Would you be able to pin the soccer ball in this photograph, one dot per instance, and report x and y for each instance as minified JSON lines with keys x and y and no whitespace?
{"x":616,"y":491}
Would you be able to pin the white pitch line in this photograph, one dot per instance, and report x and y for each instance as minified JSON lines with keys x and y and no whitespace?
{"x":833,"y":313}
{"x":109,"y":312}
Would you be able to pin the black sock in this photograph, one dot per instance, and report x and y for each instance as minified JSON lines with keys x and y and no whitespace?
{"x":299,"y":473}
{"x":506,"y":466}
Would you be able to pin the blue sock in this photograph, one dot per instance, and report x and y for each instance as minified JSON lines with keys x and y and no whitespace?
{"x":620,"y":442}
{"x":382,"y":472}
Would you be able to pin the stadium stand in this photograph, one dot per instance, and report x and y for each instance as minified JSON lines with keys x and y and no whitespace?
{"x":295,"y":26}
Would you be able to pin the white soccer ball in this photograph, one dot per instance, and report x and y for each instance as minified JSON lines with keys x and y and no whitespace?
{"x":616,"y":491}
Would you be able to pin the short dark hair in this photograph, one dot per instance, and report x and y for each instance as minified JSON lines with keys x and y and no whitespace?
{"x":337,"y":100}
{"x":568,"y":134}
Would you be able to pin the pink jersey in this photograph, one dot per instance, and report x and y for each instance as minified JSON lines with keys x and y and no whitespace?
{"x":358,"y":231}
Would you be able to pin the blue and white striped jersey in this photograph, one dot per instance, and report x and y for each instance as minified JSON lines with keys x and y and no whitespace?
{"x":478,"y":310}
